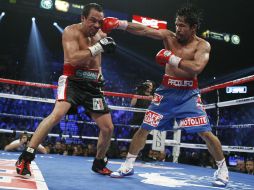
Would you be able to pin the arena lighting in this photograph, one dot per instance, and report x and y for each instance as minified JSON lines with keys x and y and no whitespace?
{"x":12,"y":1}
{"x":233,"y":38}
{"x":36,"y":53}
{"x":33,"y":19}
{"x":58,"y":27}
{"x":62,"y":6}
{"x":2,"y":15}
{"x":47,"y":4}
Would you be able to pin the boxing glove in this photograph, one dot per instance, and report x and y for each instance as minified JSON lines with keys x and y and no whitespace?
{"x":106,"y":45}
{"x":110,"y":23}
{"x":164,"y":57}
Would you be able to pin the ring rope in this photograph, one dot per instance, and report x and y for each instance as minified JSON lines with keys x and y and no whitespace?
{"x":229,"y":83}
{"x":41,"y":85}
{"x":167,"y":142}
{"x":246,"y":126}
{"x":65,"y":119}
{"x":207,"y":106}
{"x":52,"y":101}
{"x":124,"y":95}
{"x":25,"y":83}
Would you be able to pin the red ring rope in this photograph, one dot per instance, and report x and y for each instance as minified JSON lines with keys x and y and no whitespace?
{"x":41,"y":85}
{"x":226,"y":84}
{"x":124,"y":95}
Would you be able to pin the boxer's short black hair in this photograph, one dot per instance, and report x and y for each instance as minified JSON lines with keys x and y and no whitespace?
{"x":191,"y":15}
{"x":87,"y":8}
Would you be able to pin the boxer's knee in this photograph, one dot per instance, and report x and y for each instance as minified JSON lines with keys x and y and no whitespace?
{"x":206,"y":135}
{"x":107,"y":128}
{"x":209,"y":137}
{"x":142,"y":133}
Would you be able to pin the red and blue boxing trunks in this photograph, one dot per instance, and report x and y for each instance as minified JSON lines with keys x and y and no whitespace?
{"x":177,"y":99}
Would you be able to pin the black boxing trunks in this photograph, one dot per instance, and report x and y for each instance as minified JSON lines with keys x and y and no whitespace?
{"x":80,"y":86}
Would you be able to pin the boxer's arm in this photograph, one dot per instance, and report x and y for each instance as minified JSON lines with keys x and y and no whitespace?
{"x":141,"y":30}
{"x":201,"y":58}
{"x":111,"y":23}
{"x":72,"y":54}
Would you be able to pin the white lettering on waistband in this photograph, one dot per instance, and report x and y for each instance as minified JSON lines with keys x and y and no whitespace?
{"x":179,"y":83}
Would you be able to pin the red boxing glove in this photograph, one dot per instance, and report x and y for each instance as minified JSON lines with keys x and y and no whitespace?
{"x":164,"y":57}
{"x":110,"y":23}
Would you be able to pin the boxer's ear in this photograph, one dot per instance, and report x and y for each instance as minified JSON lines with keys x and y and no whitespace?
{"x":82,"y":18}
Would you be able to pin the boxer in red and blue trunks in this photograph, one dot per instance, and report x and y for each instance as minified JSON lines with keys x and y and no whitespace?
{"x":177,"y":99}
{"x":184,"y":58}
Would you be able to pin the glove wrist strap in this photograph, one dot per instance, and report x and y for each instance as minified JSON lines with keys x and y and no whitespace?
{"x":96,"y":49}
{"x":174,"y":60}
{"x":123,"y":24}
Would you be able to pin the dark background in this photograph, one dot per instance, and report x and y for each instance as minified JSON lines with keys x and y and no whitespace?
{"x":227,"y":61}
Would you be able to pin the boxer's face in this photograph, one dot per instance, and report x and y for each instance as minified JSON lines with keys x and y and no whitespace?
{"x":183,"y":30}
{"x":93,"y":22}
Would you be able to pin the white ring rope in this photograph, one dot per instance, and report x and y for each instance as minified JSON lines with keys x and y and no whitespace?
{"x":52,"y":101}
{"x":239,"y":126}
{"x":65,"y":119}
{"x":207,"y":106}
{"x":229,"y":103}
{"x":167,"y":142}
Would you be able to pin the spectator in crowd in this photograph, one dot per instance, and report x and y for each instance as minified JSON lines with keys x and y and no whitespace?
{"x":161,"y":156}
{"x":58,"y":149}
{"x":240,"y":166}
{"x":91,"y":149}
{"x":145,"y":89}
{"x":123,"y":152}
{"x":21,"y":143}
{"x":250,"y":167}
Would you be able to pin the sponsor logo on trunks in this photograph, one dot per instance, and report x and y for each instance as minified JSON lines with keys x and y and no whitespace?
{"x":152,"y":118}
{"x":157,"y":99}
{"x":98,"y":104}
{"x":193,"y":121}
{"x":87,"y":75}
{"x":180,"y":83}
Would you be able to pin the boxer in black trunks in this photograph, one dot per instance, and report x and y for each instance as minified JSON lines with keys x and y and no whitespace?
{"x":80,"y":84}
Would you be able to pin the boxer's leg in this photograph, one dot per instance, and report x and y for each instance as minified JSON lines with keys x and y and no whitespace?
{"x":23,"y":163}
{"x":105,"y":124}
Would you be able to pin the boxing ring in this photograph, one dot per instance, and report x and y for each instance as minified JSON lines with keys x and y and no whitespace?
{"x":73,"y":172}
